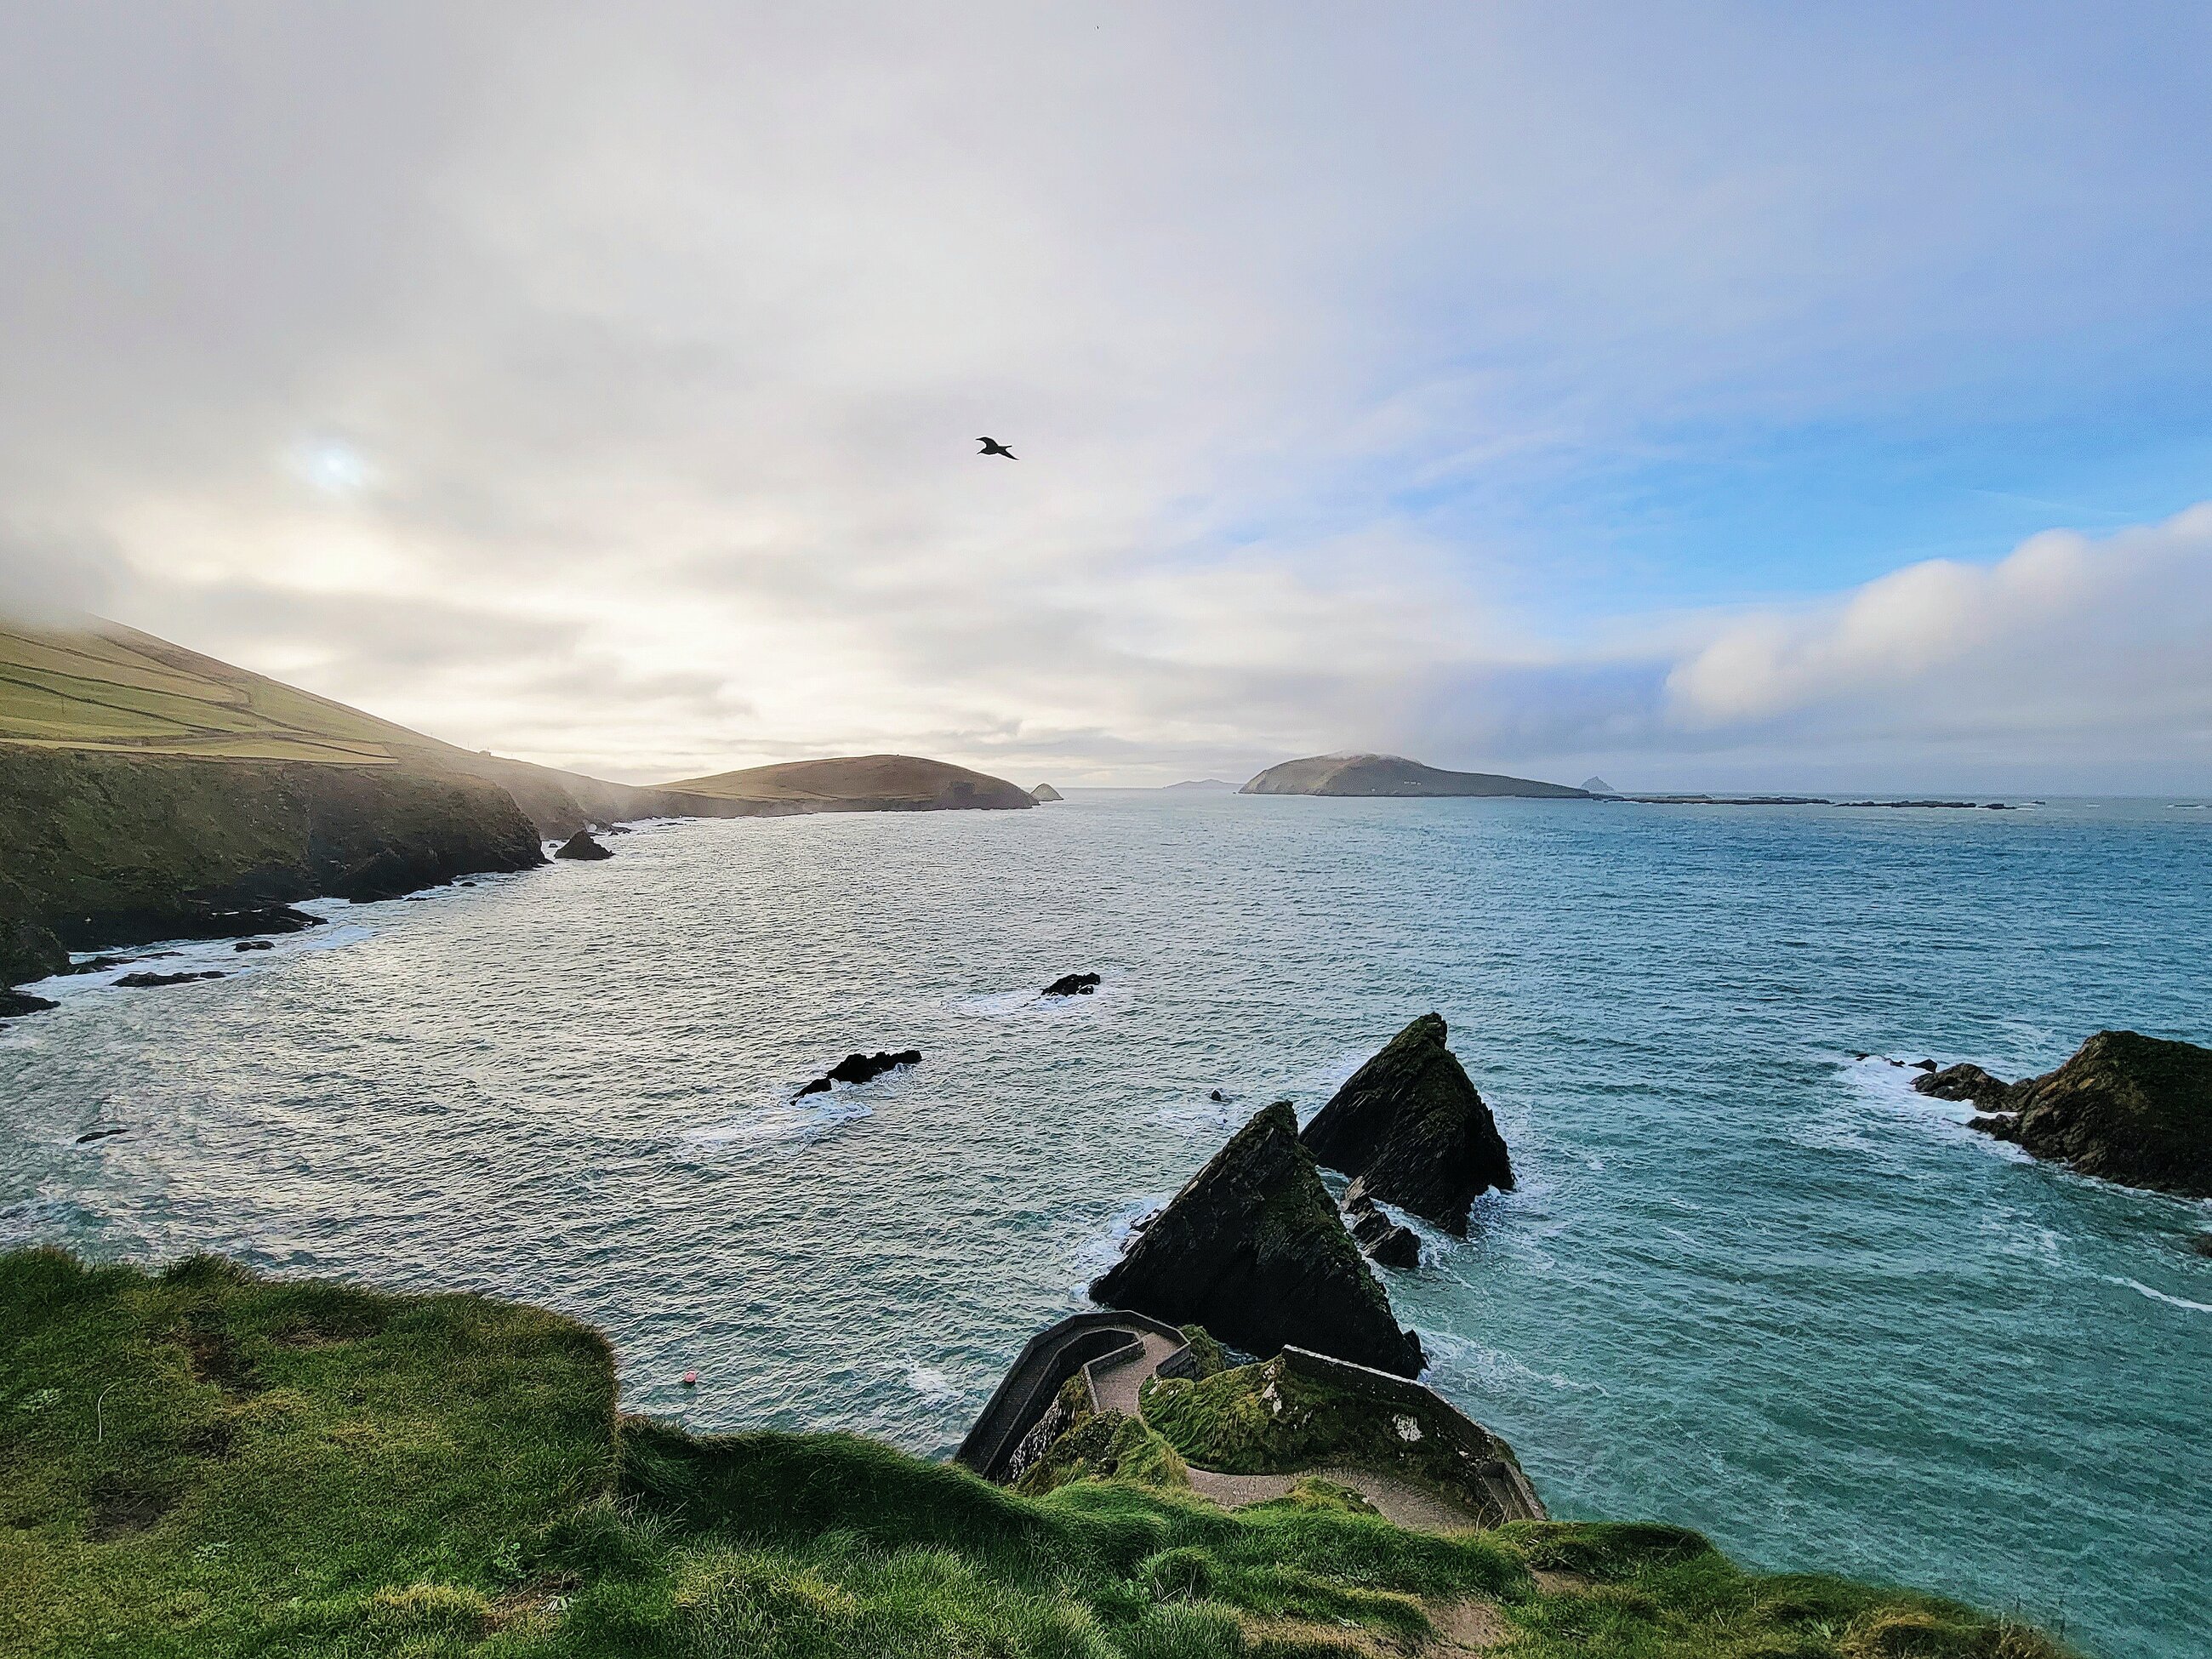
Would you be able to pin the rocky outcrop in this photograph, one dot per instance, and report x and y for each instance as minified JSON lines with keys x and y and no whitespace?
{"x":15,"y":1004}
{"x":1045,"y":791}
{"x":860,"y":1068}
{"x":1394,"y":774}
{"x":1965,"y":1083}
{"x":1071,"y":985}
{"x":2127,"y":1107}
{"x":117,"y":849}
{"x":1253,"y":1249}
{"x":1411,"y":1130}
{"x":149,"y":981}
{"x":581,"y":848}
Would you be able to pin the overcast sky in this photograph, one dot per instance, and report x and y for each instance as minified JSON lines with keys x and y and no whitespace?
{"x":1701,"y":396}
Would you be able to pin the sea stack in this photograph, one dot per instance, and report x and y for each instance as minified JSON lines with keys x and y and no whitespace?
{"x":1045,"y":791}
{"x":581,"y":845}
{"x":2127,"y":1107}
{"x":1411,"y":1130}
{"x":1254,"y":1249}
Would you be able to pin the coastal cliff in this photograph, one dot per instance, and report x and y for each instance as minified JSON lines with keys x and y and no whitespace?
{"x":115,"y":850}
{"x":1394,"y":775}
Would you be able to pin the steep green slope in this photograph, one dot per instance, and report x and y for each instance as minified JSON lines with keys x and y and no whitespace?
{"x":204,"y":1463}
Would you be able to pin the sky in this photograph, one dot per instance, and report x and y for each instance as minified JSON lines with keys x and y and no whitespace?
{"x":1703,"y":397}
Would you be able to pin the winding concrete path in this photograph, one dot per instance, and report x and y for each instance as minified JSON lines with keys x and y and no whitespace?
{"x":1399,"y":1500}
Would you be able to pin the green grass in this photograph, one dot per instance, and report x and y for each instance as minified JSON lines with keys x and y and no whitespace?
{"x":118,"y":689}
{"x":202,"y":1462}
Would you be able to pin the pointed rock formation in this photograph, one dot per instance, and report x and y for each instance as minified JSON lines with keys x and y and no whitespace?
{"x":1254,"y":1249}
{"x":2127,"y":1107}
{"x":1412,"y":1131}
{"x":581,"y":845}
{"x":1046,"y":791}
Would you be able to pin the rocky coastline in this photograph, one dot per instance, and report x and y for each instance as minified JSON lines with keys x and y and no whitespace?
{"x":113,"y":850}
{"x":2126,"y":1108}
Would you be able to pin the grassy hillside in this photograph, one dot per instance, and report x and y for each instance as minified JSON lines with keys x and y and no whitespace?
{"x":116,"y":688}
{"x":201,"y":1463}
{"x":862,"y":783}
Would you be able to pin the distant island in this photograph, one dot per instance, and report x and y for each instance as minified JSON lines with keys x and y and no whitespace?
{"x":1394,"y":775}
{"x":860,"y":783}
{"x":1202,"y":784}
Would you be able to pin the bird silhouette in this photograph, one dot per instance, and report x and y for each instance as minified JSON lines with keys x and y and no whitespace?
{"x":993,"y":446}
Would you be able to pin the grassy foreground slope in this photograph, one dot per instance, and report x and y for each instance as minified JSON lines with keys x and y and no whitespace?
{"x":202,"y":1462}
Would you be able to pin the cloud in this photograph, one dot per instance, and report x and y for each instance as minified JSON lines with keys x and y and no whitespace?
{"x":600,"y":384}
{"x":2066,"y":639}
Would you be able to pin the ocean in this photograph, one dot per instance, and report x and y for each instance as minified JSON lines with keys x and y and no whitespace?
{"x":1748,"y":1283}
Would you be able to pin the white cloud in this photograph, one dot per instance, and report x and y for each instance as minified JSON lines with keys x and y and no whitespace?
{"x":2066,"y":638}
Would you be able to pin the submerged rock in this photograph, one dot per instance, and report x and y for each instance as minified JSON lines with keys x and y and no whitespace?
{"x":860,"y":1068}
{"x":1071,"y":985}
{"x":1966,"y":1083}
{"x":1411,"y":1130}
{"x":581,"y":847}
{"x":2127,"y":1107}
{"x":1253,"y":1249}
{"x":149,"y":981}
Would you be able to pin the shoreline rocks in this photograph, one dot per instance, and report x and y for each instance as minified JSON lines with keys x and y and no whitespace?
{"x":1410,"y":1128}
{"x":860,"y":1068}
{"x":582,"y":849}
{"x":1254,"y":1249}
{"x":2126,"y":1108}
{"x":1071,"y":985}
{"x":148,"y":981}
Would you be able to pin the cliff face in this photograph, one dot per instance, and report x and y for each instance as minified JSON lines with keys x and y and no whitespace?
{"x":108,"y":848}
{"x":1410,"y":1125}
{"x":1394,"y":774}
{"x":1253,"y":1250}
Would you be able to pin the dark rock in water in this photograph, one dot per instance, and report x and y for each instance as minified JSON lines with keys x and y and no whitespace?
{"x":14,"y":1005}
{"x":148,"y":982}
{"x":1370,"y":1224}
{"x":90,"y":1135}
{"x":1253,"y":1250}
{"x":860,"y":1068}
{"x":1218,"y":1098}
{"x":1413,"y":1130}
{"x":1071,"y":985}
{"x":1966,"y":1083}
{"x":253,"y":944}
{"x":1398,"y":1248}
{"x":2127,"y":1107}
{"x":581,"y":847}
{"x":1923,"y":1065}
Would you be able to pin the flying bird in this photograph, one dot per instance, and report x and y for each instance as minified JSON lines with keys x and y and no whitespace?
{"x":993,"y":446}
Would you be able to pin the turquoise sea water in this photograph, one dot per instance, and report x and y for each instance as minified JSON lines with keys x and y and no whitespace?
{"x":1748,"y":1284}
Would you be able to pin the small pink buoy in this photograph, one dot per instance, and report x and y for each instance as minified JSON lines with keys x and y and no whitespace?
{"x":690,"y":1379}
